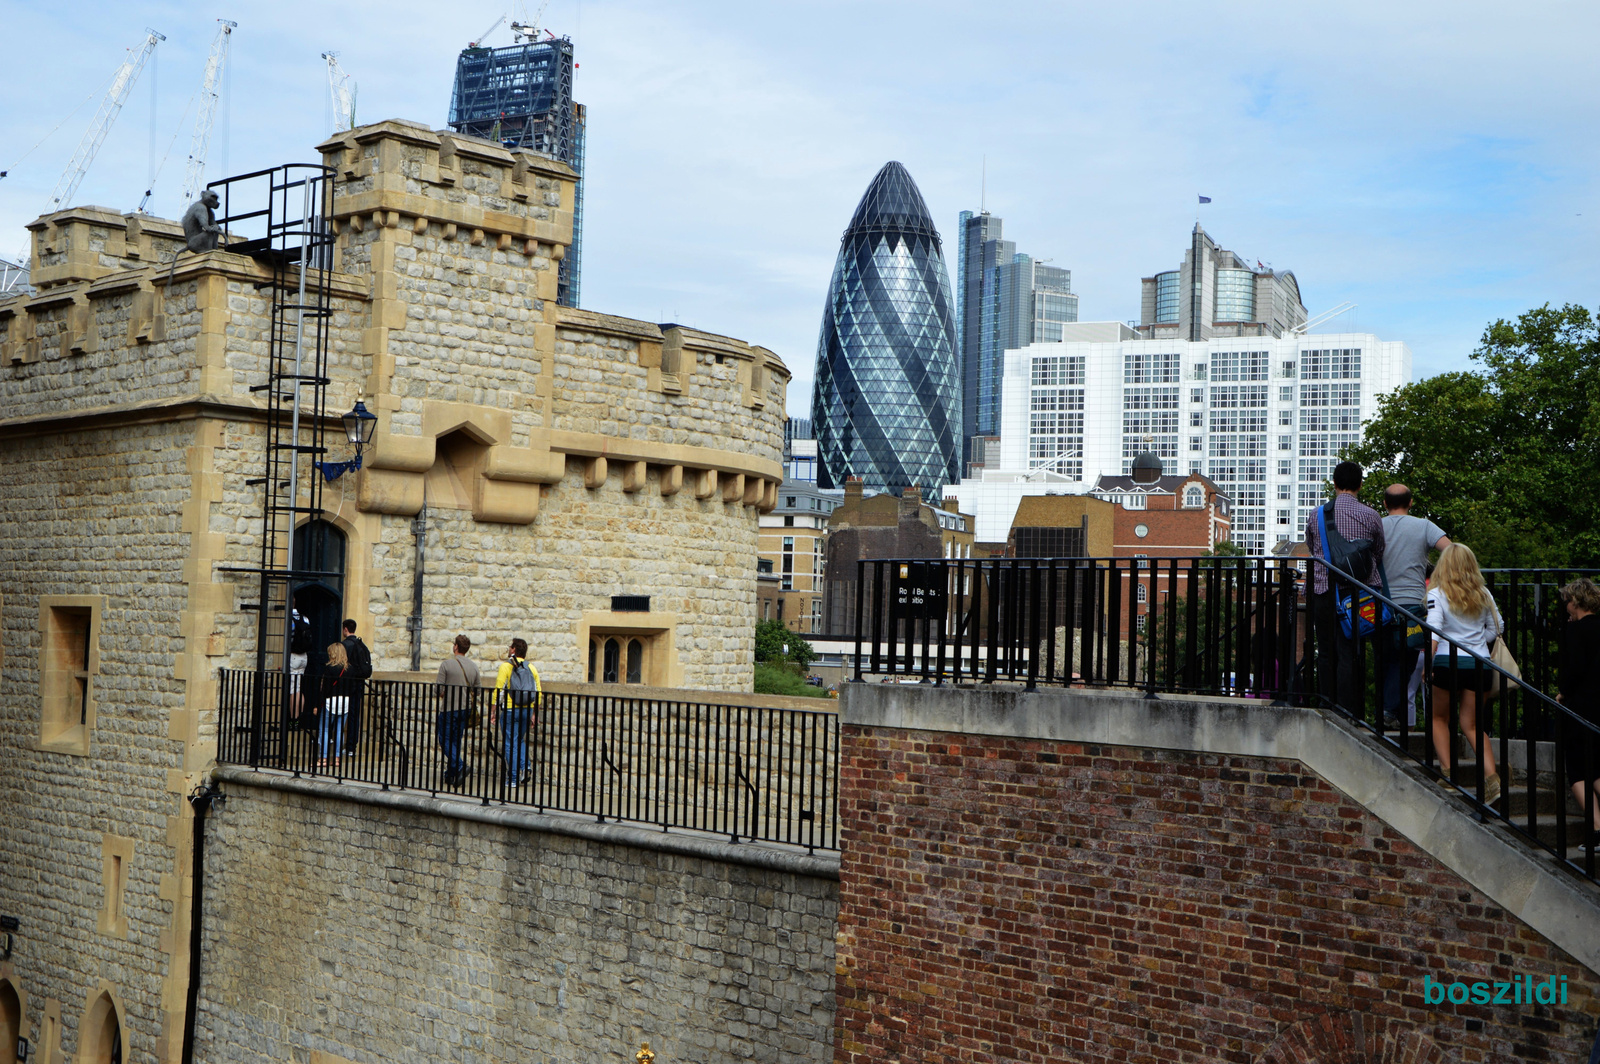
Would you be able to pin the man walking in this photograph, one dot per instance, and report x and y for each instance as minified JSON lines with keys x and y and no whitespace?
{"x":516,"y":693}
{"x":458,"y":696}
{"x":1407,"y":541}
{"x":1352,"y":526}
{"x":360,"y":671}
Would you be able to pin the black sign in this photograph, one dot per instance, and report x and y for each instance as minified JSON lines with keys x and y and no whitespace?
{"x":919,"y":588}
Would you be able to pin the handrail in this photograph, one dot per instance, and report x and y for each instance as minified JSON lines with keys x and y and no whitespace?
{"x":1508,"y":688}
{"x":748,"y":773}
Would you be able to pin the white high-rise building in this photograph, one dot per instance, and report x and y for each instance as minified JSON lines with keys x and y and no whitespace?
{"x":1264,"y":417}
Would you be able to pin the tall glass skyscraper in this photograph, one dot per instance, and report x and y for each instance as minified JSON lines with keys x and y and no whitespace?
{"x":887,"y":402}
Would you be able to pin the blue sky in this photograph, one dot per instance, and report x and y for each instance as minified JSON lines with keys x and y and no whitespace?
{"x":1433,"y":163}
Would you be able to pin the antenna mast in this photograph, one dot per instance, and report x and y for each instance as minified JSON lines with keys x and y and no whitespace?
{"x":207,"y":114}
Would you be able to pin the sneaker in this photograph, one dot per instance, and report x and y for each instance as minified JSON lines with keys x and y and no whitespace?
{"x":1391,"y":722}
{"x":1491,"y":789}
{"x":522,"y":780}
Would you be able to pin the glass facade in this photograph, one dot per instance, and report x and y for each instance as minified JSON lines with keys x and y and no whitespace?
{"x":1167,"y":285}
{"x":887,"y":402}
{"x":1236,"y":295}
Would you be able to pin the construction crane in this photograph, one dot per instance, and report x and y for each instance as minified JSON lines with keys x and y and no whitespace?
{"x":341,"y":94}
{"x":528,"y":31}
{"x":117,"y":95}
{"x":485,"y":34}
{"x":207,"y":114}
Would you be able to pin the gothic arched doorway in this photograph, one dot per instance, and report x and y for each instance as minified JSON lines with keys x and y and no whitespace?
{"x":320,"y":547}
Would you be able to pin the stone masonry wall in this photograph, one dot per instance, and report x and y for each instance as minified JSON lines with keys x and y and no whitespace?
{"x":1007,"y":899}
{"x":384,"y":935}
{"x":96,"y":516}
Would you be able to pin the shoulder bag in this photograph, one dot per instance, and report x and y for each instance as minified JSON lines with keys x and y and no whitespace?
{"x":470,"y":693}
{"x":1359,"y":612}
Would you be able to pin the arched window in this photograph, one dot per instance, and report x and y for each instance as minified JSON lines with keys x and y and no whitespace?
{"x":100,"y":1033}
{"x":10,"y":1021}
{"x":1194,"y":495}
{"x":635,"y":660}
{"x":613,"y":652}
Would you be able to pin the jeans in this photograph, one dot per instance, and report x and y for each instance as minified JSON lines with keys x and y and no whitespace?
{"x":449,"y":727}
{"x":514,"y":740}
{"x":331,"y":731}
{"x":1400,"y":661}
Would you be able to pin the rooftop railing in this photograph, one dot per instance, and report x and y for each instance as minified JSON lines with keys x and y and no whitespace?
{"x":747,"y":773}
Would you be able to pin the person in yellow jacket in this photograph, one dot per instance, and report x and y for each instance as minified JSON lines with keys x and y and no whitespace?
{"x":516,"y":694}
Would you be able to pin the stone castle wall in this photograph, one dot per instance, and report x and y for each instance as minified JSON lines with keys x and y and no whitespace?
{"x":375,"y":933}
{"x":563,"y":457}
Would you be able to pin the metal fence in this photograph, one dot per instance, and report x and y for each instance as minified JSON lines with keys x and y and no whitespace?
{"x":749,"y":773}
{"x":1247,"y":627}
{"x":1200,"y":625}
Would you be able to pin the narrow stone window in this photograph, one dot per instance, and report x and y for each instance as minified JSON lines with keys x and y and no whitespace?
{"x":116,"y":862}
{"x":69,"y":660}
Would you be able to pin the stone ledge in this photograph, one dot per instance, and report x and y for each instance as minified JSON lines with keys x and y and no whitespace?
{"x":1486,"y":855}
{"x":752,"y":854}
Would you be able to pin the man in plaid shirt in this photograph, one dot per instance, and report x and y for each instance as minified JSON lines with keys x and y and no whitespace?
{"x":1352,"y":519}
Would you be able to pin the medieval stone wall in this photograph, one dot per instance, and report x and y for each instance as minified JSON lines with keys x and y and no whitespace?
{"x":96,"y":522}
{"x":372,"y":933}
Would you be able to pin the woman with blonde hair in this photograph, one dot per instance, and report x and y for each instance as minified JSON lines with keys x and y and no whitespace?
{"x":335,"y":705}
{"x":1463,"y":616}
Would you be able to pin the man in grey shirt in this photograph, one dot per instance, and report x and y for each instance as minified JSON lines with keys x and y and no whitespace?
{"x":1407,"y":541}
{"x":458,"y":694}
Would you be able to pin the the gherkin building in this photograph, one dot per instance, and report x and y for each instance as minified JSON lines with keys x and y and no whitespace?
{"x":887,"y":403}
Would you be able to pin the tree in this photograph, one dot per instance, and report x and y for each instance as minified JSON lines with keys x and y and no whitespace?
{"x":1226,"y":548}
{"x":1506,"y":458}
{"x":775,"y":643}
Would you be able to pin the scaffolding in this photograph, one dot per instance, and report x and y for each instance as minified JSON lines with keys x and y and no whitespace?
{"x":520,"y":96}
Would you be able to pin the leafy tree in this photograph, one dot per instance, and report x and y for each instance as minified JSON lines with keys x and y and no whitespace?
{"x":777,"y":644}
{"x":1505,"y":458}
{"x":1225,"y":549}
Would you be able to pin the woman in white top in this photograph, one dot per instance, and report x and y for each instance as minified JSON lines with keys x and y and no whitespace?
{"x":1463,"y":616}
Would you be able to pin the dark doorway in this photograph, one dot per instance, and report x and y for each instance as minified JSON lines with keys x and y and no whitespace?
{"x":320,"y":547}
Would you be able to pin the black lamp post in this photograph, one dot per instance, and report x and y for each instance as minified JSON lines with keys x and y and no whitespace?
{"x":359,"y":425}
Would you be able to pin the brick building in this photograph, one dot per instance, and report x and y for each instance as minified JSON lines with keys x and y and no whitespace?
{"x":884,"y":526}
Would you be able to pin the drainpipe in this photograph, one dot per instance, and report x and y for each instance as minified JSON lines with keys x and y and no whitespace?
{"x":419,"y":531}
{"x":202,"y":799}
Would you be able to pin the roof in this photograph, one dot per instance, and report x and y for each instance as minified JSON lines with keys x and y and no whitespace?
{"x":892,"y":203}
{"x":1170,"y":485}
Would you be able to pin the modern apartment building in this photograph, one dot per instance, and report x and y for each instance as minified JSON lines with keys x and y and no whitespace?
{"x":799,"y":451}
{"x":1263,"y":417}
{"x":1005,"y":300}
{"x":792,"y":540}
{"x":1217,"y":293}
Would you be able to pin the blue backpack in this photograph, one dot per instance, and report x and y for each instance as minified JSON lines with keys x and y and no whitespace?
{"x":521,"y":690}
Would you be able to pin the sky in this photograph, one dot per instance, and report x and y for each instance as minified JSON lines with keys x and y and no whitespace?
{"x":1433,"y":163}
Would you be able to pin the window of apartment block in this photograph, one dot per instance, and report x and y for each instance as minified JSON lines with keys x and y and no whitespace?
{"x":69,"y":660}
{"x":816,"y":615}
{"x":1286,"y":394}
{"x":788,"y":521}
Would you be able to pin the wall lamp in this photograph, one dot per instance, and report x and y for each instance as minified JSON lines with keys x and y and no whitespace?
{"x":359,"y":425}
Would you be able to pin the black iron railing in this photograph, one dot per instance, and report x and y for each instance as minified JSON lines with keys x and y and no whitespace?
{"x":1199,"y":624}
{"x":1247,"y":627}
{"x":749,"y":773}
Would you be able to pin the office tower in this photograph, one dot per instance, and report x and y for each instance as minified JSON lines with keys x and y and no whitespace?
{"x":1218,"y":293}
{"x":1008,"y":300}
{"x":799,"y":451}
{"x":1263,"y":417}
{"x":887,"y":402}
{"x":521,"y":96}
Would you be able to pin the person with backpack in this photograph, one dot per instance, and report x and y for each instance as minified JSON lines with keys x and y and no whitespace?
{"x":360,"y":670}
{"x":1406,"y":542}
{"x":516,"y":694}
{"x":1355,"y":545}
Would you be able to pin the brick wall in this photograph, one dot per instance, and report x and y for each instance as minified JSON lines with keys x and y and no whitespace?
{"x":1009,"y":899}
{"x":383,"y":934}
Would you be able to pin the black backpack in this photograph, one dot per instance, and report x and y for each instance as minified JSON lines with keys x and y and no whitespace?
{"x":1354,"y":556}
{"x":360,"y":657}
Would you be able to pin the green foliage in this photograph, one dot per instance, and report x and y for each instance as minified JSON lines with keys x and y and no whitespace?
{"x":778,"y":680}
{"x":1504,"y":458}
{"x":777,"y":644}
{"x":1225,"y":549}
